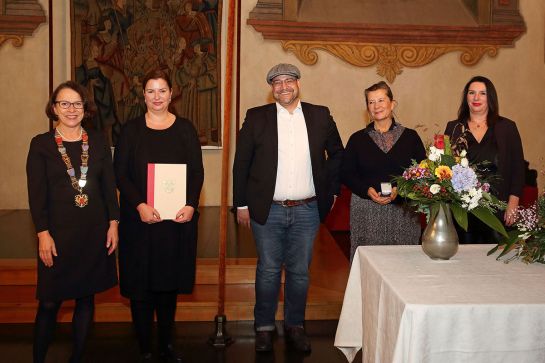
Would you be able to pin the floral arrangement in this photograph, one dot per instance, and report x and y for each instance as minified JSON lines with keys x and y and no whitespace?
{"x":446,"y":178}
{"x":527,"y":239}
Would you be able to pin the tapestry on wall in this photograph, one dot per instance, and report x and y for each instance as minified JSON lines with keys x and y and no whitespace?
{"x":116,"y":42}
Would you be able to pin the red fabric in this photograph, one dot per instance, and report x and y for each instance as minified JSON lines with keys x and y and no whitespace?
{"x":529,"y":196}
{"x":339,"y":217}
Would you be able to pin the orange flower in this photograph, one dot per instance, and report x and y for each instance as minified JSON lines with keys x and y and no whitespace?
{"x":443,"y":172}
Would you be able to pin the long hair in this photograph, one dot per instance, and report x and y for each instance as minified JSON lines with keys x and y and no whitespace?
{"x":492,"y":100}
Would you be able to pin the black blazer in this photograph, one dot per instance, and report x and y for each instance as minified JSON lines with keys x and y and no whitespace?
{"x":510,"y":154}
{"x":256,"y":159}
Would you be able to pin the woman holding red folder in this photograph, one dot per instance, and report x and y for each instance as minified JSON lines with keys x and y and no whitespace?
{"x":156,"y":257}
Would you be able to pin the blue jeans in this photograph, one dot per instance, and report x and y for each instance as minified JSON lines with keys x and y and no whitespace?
{"x":286,"y":239}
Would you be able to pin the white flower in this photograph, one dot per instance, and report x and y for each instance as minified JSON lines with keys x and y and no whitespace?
{"x":435,"y":153}
{"x":471,"y":198}
{"x":524,"y":236}
{"x":463,"y":154}
{"x":435,"y":188}
{"x":434,"y":150}
{"x":464,"y":162}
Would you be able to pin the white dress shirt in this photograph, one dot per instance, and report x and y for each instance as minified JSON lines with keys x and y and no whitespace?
{"x":294,"y":179}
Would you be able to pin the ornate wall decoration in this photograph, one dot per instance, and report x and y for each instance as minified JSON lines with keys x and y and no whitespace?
{"x":19,"y":18}
{"x":491,"y":25}
{"x":16,"y":40}
{"x":116,"y":43}
{"x":388,"y":58}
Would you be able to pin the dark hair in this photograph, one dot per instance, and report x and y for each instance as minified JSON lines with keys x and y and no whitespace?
{"x":156,"y":74}
{"x":89,"y":107}
{"x":491,"y":97}
{"x":380,"y":85}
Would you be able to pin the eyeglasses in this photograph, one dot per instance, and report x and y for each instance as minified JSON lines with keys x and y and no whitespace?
{"x":288,"y":82}
{"x":65,"y":104}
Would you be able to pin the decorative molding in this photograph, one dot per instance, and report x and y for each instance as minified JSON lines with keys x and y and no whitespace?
{"x":391,"y":47}
{"x":389,"y":58}
{"x":501,"y":34}
{"x":19,"y":18}
{"x":16,"y":40}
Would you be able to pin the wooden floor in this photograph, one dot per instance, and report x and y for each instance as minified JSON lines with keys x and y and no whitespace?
{"x":116,"y":343}
{"x":329,"y":273}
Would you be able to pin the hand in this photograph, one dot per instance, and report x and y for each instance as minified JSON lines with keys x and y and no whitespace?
{"x":185,"y":214}
{"x":393,"y":196}
{"x":377,"y":198}
{"x":112,"y":237}
{"x":510,"y":215}
{"x":46,"y":248}
{"x":243,"y":217}
{"x":148,"y":214}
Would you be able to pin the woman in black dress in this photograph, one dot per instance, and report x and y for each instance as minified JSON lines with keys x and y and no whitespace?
{"x":373,"y":156}
{"x":73,"y":202}
{"x":494,"y":142}
{"x":156,"y":257}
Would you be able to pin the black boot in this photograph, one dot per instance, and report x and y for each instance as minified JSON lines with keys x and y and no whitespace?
{"x":169,"y":355}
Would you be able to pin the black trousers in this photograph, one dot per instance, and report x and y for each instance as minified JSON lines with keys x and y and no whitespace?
{"x":163,"y":304}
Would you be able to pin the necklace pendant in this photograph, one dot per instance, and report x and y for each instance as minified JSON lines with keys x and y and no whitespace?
{"x":82,"y":182}
{"x":81,"y":200}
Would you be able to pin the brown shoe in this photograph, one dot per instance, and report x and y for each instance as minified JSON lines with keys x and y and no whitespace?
{"x":263,"y":341}
{"x":297,"y":339}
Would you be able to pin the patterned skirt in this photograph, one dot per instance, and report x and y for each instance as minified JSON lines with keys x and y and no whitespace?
{"x":375,"y":224}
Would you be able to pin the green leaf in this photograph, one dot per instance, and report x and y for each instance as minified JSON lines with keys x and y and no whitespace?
{"x":508,"y":245}
{"x":492,"y":251}
{"x":448,"y":147}
{"x":460,"y":215}
{"x":489,"y":219}
{"x":434,"y":209}
{"x":448,"y":160}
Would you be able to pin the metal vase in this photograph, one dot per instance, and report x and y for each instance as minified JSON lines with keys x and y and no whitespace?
{"x":440,"y":240}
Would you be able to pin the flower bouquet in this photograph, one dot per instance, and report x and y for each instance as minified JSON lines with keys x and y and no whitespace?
{"x":527,"y":239}
{"x":445,"y":180}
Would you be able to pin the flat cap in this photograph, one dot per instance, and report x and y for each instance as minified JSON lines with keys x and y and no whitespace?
{"x":283,"y":69}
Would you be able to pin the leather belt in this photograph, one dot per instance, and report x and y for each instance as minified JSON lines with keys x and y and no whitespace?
{"x":293,"y":203}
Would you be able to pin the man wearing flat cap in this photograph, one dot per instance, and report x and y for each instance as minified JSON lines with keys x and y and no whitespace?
{"x":283,"y":186}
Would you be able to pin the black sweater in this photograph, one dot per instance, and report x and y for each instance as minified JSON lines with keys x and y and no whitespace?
{"x":366,"y":165}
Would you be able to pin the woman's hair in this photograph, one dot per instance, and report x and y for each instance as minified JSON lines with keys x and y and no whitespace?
{"x":89,"y":107}
{"x":156,"y":74}
{"x":380,"y":85}
{"x":491,"y":97}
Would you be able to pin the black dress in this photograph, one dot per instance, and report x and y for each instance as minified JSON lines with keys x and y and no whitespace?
{"x":160,"y":256}
{"x":501,"y":149}
{"x":82,"y":267}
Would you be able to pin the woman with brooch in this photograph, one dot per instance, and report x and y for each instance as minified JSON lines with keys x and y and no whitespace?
{"x":73,"y":202}
{"x":493,"y":144}
{"x":373,"y":156}
{"x":157,"y":257}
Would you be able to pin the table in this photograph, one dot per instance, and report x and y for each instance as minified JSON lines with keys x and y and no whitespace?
{"x":402,"y":307}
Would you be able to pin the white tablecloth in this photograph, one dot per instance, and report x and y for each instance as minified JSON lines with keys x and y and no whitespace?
{"x":402,"y":307}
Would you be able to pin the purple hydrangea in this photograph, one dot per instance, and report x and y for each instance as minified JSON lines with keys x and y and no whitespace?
{"x":463,"y":178}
